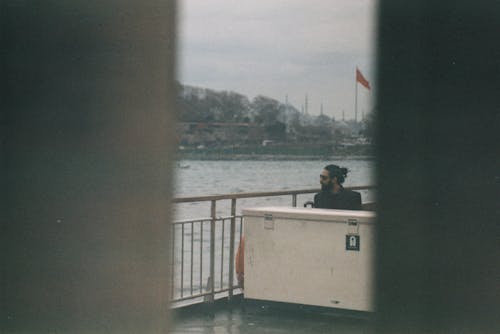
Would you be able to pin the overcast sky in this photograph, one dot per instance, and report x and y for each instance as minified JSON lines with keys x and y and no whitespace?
{"x":277,"y":48}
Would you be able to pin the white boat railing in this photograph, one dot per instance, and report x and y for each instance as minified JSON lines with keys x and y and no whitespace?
{"x":199,"y":248}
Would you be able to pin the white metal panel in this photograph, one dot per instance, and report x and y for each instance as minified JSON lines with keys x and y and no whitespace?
{"x":299,"y":256}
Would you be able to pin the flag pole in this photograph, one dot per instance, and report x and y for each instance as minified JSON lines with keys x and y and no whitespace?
{"x":356,"y":98}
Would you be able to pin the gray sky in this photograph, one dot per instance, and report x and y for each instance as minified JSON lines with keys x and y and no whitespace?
{"x":280,"y":47}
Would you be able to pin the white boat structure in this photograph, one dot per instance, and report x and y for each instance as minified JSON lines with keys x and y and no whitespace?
{"x":315,"y":257}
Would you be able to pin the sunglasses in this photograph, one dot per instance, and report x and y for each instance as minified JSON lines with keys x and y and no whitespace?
{"x":323,"y":177}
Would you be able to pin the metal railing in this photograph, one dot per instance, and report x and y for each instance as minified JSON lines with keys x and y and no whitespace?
{"x":199,"y":247}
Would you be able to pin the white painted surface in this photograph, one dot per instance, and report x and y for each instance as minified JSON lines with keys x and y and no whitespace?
{"x":299,"y":256}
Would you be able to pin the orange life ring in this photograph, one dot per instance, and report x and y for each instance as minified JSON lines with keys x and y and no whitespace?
{"x":240,"y":262}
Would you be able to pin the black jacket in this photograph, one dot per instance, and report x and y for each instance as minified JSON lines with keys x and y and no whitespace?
{"x":344,"y":200}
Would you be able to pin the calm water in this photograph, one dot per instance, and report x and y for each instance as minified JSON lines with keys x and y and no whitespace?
{"x":225,"y":177}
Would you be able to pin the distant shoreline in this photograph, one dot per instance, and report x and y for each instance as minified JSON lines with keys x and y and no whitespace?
{"x":270,"y":157}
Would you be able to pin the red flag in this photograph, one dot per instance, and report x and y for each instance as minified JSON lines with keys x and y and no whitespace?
{"x":361,"y":79}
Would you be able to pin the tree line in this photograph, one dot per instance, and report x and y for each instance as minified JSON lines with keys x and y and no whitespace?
{"x":279,"y":121}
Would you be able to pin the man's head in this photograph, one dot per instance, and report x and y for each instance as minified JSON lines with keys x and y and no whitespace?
{"x":332,"y":176}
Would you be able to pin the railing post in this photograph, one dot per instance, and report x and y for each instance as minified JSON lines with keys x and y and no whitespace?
{"x":201,"y":256}
{"x":231,"y":247}
{"x":294,"y":200}
{"x":182,"y":261}
{"x":192,"y":255}
{"x":212,"y":251}
{"x":172,"y":272}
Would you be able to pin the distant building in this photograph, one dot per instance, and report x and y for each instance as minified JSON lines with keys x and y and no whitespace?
{"x":215,"y":133}
{"x":342,"y":128}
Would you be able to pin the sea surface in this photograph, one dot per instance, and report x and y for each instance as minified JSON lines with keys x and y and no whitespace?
{"x":201,"y":178}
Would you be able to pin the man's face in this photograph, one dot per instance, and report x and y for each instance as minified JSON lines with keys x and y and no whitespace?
{"x":325,"y":180}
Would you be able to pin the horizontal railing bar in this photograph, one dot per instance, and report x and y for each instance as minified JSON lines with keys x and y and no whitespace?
{"x":189,"y":221}
{"x":202,"y":295}
{"x":256,"y":194}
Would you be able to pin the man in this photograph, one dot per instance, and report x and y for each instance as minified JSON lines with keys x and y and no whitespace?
{"x":333,"y":195}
